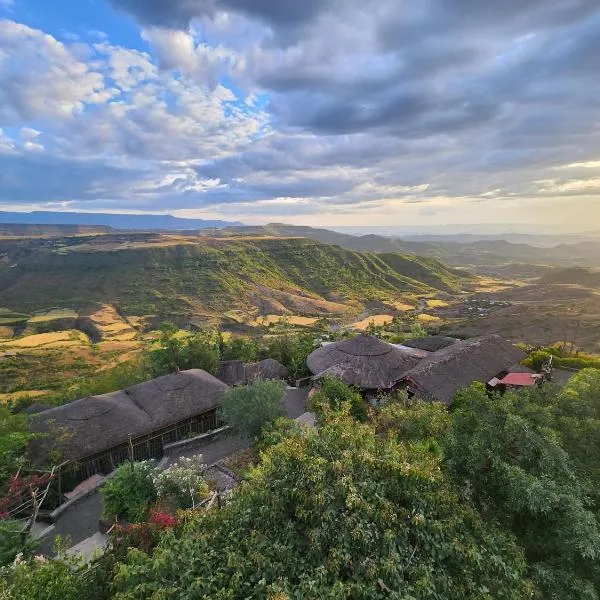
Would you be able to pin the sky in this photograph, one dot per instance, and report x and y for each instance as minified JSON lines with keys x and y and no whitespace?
{"x":319,"y":112}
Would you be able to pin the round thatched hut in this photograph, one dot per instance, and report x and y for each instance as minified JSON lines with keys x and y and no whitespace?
{"x":363,"y":361}
{"x":268,"y":368}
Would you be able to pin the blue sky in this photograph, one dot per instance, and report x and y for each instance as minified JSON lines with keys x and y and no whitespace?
{"x":362,"y":112}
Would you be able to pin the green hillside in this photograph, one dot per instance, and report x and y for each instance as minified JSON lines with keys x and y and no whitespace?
{"x":177,"y":275}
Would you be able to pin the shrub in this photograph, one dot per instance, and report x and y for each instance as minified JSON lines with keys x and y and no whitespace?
{"x":176,"y":351}
{"x":12,"y":542}
{"x":241,"y":348}
{"x":334,"y":393}
{"x":130,"y":492}
{"x":183,"y":482}
{"x":277,"y":431}
{"x":249,"y":408}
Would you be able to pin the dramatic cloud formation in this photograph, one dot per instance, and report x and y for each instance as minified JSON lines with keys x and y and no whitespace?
{"x":326,"y":111}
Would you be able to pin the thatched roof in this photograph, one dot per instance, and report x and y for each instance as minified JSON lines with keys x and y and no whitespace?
{"x":97,"y":423}
{"x":232,"y":372}
{"x":431,"y":343}
{"x":266,"y":369}
{"x":364,"y":361}
{"x":443,"y":373}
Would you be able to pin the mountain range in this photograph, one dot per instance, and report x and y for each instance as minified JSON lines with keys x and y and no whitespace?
{"x":115,"y":220}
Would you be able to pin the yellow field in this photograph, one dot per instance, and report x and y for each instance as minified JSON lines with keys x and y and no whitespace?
{"x":15,"y":396}
{"x":376,"y":320}
{"x":401,"y":306}
{"x":55,"y":339}
{"x":492,"y":285}
{"x":425,"y":318}
{"x":436,"y":304}
{"x":291,"y":319}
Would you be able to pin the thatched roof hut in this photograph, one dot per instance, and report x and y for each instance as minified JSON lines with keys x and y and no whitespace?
{"x":97,"y":423}
{"x":364,"y":361}
{"x":443,"y":373}
{"x":232,"y":372}
{"x":431,"y":343}
{"x":268,"y":368}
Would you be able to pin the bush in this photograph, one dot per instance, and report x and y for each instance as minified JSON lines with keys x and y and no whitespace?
{"x":247,"y":409}
{"x":291,"y":350}
{"x":334,"y":393}
{"x":278,"y":430}
{"x":182,"y":482}
{"x":241,"y":348}
{"x":177,"y":351}
{"x":130,"y":492}
{"x":11,"y":542}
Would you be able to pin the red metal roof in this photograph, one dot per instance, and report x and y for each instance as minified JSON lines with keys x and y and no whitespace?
{"x":521,"y":379}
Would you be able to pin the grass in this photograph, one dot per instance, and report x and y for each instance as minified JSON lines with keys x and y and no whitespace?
{"x":52,"y":315}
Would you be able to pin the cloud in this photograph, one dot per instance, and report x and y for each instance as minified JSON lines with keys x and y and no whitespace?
{"x":41,"y":79}
{"x":327,"y":106}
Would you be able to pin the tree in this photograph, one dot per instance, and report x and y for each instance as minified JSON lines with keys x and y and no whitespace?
{"x":291,"y":349}
{"x":14,"y":437}
{"x":507,"y":458}
{"x":241,"y":348}
{"x":178,"y":350}
{"x":247,"y":409}
{"x":336,"y":513}
{"x":333,"y":393}
{"x":129,"y":493}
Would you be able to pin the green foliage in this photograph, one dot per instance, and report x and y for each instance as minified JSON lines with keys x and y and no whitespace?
{"x":176,"y":351}
{"x":511,"y":463}
{"x":338,"y":513}
{"x":561,"y":358}
{"x":129,"y":493}
{"x":276,"y":431}
{"x":41,"y":579}
{"x":412,"y":420}
{"x":291,"y":349}
{"x":14,"y":437}
{"x":247,"y":409}
{"x":334,"y":393}
{"x":12,"y":542}
{"x":241,"y":348}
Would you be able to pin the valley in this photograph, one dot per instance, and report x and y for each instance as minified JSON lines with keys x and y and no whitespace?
{"x":89,"y":304}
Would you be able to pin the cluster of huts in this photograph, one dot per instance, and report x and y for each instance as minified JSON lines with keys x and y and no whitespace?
{"x":97,"y":433}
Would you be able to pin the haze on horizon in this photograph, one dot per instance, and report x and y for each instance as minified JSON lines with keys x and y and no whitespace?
{"x":321,"y":112}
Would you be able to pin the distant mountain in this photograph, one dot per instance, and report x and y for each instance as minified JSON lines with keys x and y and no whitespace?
{"x":573,"y":276}
{"x":27,"y":230}
{"x":118,"y":221}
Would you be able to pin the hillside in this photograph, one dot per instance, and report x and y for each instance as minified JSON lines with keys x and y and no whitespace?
{"x":183,"y":277}
{"x":573,"y":276}
{"x":491,"y":257}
